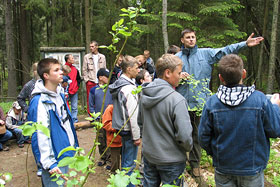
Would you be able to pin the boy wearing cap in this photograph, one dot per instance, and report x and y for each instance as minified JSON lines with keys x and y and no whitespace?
{"x":95,"y":104}
{"x":14,"y":119}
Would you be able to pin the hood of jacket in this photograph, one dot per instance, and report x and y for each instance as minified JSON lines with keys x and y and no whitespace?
{"x":155,"y":92}
{"x":40,"y":88}
{"x":234,"y":96}
{"x":118,"y":84}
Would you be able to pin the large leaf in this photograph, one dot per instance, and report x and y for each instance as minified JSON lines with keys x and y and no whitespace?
{"x":66,"y":161}
{"x":28,"y":130}
{"x":44,"y":129}
{"x":70,"y":148}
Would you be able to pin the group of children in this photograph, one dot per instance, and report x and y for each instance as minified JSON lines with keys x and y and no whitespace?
{"x":234,"y":129}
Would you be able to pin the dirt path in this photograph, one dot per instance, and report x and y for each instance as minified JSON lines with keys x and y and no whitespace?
{"x":14,"y":161}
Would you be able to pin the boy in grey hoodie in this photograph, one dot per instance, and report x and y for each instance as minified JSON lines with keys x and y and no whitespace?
{"x":166,"y":126}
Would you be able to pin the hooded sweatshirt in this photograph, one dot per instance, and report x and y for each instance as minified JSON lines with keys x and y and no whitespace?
{"x":165,"y":123}
{"x":50,"y":109}
{"x":125,"y":106}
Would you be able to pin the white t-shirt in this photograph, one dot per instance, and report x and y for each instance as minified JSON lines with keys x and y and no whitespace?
{"x":95,"y":61}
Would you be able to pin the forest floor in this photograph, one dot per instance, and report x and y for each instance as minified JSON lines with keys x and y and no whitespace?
{"x":14,"y":161}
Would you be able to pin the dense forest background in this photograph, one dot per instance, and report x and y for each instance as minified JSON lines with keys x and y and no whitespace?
{"x":27,"y":25}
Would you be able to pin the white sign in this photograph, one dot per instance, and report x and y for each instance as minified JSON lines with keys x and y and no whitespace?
{"x":60,"y":57}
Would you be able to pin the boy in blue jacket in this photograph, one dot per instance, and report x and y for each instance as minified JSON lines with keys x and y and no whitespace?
{"x":236,"y":125}
{"x":49,"y":108}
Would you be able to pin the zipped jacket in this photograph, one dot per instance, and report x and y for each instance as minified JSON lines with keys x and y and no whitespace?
{"x":43,"y":109}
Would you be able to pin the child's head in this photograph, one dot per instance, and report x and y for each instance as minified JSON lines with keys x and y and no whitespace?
{"x":129,"y":66}
{"x":34,"y":73}
{"x":16,"y":108}
{"x":120,"y":59}
{"x":44,"y":69}
{"x":169,"y":67}
{"x":146,"y":54}
{"x":141,"y":60}
{"x":143,"y":77}
{"x":173,"y":49}
{"x":66,"y":70}
{"x":231,"y":70}
{"x":103,"y":76}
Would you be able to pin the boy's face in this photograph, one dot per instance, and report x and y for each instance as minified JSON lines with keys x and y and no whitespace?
{"x":55,"y":76}
{"x":173,"y":78}
{"x":147,"y":77}
{"x":17,"y":111}
{"x":189,"y":40}
{"x":103,"y":80}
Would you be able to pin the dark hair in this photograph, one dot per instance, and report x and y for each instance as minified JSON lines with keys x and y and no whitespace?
{"x":173,"y":49}
{"x":231,"y":69}
{"x":167,"y":61}
{"x":128,"y":61}
{"x":66,"y":57}
{"x":188,"y":30}
{"x":140,"y":76}
{"x":44,"y":66}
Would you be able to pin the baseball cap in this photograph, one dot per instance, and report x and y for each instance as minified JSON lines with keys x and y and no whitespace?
{"x":103,"y":72}
{"x":16,"y":105}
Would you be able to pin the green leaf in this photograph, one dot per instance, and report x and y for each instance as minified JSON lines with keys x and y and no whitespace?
{"x":102,"y":46}
{"x":82,"y":162}
{"x":73,"y":173}
{"x":28,"y":130}
{"x":69,"y":148}
{"x":120,"y":22}
{"x":124,"y":10}
{"x":125,"y":33}
{"x":44,"y":129}
{"x":60,"y":182}
{"x":82,"y":178}
{"x":133,"y":179}
{"x":119,"y":180}
{"x":142,"y":10}
{"x":89,"y":118}
{"x":8,"y":177}
{"x":66,"y":161}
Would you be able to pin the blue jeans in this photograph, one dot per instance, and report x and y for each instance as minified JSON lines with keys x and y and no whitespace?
{"x":167,"y":174}
{"x":129,"y":154}
{"x":5,"y":137}
{"x":47,"y":179}
{"x":18,"y":133}
{"x":244,"y":181}
{"x":74,"y":106}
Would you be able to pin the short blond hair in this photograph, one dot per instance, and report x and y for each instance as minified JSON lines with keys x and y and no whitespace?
{"x":128,"y":61}
{"x":66,"y":69}
{"x":167,"y":61}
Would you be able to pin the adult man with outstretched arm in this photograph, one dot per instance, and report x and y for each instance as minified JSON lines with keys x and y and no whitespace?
{"x":198,"y":63}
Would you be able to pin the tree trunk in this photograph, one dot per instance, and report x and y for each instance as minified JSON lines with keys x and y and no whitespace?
{"x":272,"y":56}
{"x":24,"y":45}
{"x":261,"y":57}
{"x":164,"y":25}
{"x":87,"y":25}
{"x":10,"y":47}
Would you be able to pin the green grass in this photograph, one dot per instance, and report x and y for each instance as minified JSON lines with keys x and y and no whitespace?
{"x":6,"y":106}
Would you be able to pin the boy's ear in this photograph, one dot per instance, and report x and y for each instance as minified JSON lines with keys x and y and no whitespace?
{"x":166,"y":73}
{"x":244,"y":73}
{"x":46,"y":76}
{"x":221,"y":79}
